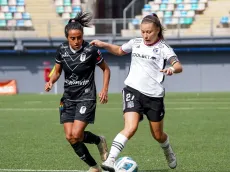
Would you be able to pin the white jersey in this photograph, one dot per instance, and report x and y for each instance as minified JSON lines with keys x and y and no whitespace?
{"x":146,"y":63}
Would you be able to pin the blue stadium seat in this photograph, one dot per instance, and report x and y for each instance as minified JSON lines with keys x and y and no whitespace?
{"x":179,"y":1}
{"x":26,"y":16}
{"x":180,"y":7}
{"x":20,"y":23}
{"x":147,"y":7}
{"x":224,"y":20}
{"x":135,"y":22}
{"x":194,"y":6}
{"x":167,"y":21}
{"x":165,"y":1}
{"x":76,"y":9}
{"x":12,"y":9}
{"x":20,"y":2}
{"x":183,"y":13}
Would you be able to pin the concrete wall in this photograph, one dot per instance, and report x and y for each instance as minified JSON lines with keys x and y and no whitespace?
{"x":203,"y":72}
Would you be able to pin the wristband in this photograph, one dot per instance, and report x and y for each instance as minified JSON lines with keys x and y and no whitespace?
{"x":172,"y":68}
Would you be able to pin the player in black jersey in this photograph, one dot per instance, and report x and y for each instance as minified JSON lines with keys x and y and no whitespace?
{"x":77,"y":107}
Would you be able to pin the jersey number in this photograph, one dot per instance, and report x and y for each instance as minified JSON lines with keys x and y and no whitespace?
{"x":129,"y":97}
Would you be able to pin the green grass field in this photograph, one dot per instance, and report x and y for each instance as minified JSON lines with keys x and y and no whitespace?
{"x":198,"y":125}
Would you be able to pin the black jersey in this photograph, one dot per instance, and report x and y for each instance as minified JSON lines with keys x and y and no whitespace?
{"x":79,"y":68}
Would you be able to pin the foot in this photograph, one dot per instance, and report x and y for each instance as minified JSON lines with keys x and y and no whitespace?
{"x":108,"y":165}
{"x":170,"y":157}
{"x":95,"y":168}
{"x":102,"y":147}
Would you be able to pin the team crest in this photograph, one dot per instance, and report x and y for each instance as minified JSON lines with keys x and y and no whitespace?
{"x":83,"y":57}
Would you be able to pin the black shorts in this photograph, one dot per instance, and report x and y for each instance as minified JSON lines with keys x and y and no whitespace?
{"x":82,"y":111}
{"x":134,"y":101}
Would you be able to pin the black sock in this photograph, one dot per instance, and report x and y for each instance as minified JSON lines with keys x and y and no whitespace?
{"x":91,"y":138}
{"x":82,"y":151}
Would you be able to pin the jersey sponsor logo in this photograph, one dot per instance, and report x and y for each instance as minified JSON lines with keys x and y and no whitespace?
{"x":137,"y":41}
{"x":74,"y":82}
{"x":143,"y":56}
{"x":82,"y":110}
{"x":82,"y":57}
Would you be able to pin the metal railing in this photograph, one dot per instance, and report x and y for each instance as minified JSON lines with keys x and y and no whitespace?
{"x":114,"y":27}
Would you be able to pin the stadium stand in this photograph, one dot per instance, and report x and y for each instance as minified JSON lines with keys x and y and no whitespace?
{"x":191,"y":16}
{"x":67,"y":9}
{"x":13,"y":15}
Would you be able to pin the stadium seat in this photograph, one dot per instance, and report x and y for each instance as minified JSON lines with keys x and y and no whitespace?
{"x":67,"y":9}
{"x":28,"y":23}
{"x":20,"y":23}
{"x":76,"y":9}
{"x":21,"y":9}
{"x":67,"y":3}
{"x":20,"y":2}
{"x":12,"y":9}
{"x":224,"y":20}
{"x":60,"y":9}
{"x":76,"y":2}
{"x":72,"y":15}
{"x":66,"y":16}
{"x":11,"y":23}
{"x":59,"y":2}
{"x":2,"y":23}
{"x":26,"y":16}
{"x":8,"y":16}
{"x":2,"y":15}
{"x":17,"y":15}
{"x":3,"y":2}
{"x":12,"y":2}
{"x":5,"y":8}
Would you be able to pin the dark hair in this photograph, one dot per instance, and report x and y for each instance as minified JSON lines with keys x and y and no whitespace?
{"x":81,"y":20}
{"x":155,"y":20}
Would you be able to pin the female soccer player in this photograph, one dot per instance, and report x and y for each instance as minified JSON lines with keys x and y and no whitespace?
{"x":77,"y":58}
{"x":144,"y":92}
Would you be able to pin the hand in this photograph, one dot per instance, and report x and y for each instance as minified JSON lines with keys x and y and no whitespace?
{"x":97,"y":43}
{"x":103,"y":96}
{"x":48,"y":86}
{"x":167,"y":71}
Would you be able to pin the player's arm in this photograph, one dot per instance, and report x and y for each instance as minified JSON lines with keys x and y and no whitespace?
{"x":176,"y":65}
{"x":114,"y":49}
{"x":56,"y":73}
{"x":106,"y":75}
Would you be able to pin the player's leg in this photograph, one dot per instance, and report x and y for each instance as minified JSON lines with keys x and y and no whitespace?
{"x":132,"y":111}
{"x":155,"y":113}
{"x":90,"y":137}
{"x":79,"y":147}
{"x":74,"y":131}
{"x":163,"y":139}
{"x":119,"y":142}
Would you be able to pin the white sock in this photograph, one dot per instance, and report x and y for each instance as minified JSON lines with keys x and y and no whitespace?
{"x":117,"y":146}
{"x":166,"y":143}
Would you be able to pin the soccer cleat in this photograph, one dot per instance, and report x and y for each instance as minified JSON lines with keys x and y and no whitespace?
{"x":170,"y":157}
{"x":108,"y":165}
{"x":95,"y":168}
{"x":102,"y":147}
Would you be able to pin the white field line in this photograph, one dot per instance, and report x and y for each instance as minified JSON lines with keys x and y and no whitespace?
{"x":118,"y":108}
{"x":31,"y":170}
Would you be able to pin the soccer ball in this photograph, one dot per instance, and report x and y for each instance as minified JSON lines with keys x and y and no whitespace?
{"x":125,"y":164}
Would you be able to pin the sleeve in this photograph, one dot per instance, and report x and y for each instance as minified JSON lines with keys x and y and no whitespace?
{"x":170,"y":55}
{"x":127,"y":47}
{"x":98,"y":59}
{"x":58,"y":56}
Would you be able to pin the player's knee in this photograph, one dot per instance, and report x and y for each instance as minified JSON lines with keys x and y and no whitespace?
{"x":77,"y":136}
{"x":130,"y":131}
{"x":69,"y":138}
{"x":158,"y":135}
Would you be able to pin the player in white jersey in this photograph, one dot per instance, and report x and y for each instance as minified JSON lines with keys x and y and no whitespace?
{"x":144,"y":92}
